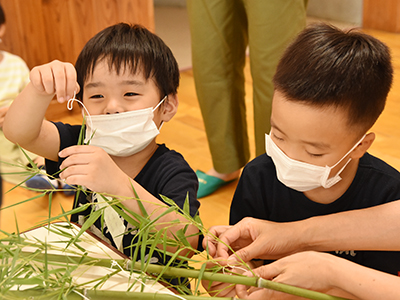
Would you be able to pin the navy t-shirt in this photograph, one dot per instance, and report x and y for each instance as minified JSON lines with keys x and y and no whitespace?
{"x":166,"y":173}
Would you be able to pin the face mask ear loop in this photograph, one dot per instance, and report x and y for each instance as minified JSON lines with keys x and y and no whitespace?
{"x":329,"y":169}
{"x":354,"y":147}
{"x":159,"y":103}
{"x":162,"y":100}
{"x":70,"y":104}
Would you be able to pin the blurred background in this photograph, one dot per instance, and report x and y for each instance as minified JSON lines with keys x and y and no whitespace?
{"x":43,"y":30}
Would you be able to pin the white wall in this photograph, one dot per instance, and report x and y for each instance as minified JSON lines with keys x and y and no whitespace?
{"x":349,"y":11}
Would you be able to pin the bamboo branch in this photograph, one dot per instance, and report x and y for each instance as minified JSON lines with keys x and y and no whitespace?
{"x":104,"y":295}
{"x":181,"y":272}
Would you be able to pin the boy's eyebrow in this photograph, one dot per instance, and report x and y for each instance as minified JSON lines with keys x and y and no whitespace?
{"x":318,"y":145}
{"x":124,"y":82}
{"x":93,"y":85}
{"x":275,"y":126}
{"x":132,"y":82}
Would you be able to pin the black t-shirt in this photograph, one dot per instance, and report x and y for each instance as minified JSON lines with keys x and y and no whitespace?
{"x":261,"y":195}
{"x":166,"y":173}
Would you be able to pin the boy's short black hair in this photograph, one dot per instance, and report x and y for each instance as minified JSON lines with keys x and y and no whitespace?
{"x":132,"y":47}
{"x":2,"y":16}
{"x":326,"y":66}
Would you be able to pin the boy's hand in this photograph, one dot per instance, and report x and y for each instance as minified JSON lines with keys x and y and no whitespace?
{"x":93,"y":168}
{"x":55,"y":78}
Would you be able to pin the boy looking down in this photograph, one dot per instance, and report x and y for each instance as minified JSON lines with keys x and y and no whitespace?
{"x":330,"y":88}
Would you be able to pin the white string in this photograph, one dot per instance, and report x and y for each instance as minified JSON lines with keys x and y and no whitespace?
{"x":83,"y":296}
{"x":70,"y":105}
{"x":114,"y":263}
{"x":259,"y":282}
{"x":232,"y":268}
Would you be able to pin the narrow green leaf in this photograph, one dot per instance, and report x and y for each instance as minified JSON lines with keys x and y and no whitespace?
{"x":89,"y":222}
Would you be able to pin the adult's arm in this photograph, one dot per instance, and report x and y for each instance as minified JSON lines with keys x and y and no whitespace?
{"x":374,"y":228}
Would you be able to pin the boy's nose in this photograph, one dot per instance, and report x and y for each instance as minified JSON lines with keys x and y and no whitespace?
{"x":113,"y":106}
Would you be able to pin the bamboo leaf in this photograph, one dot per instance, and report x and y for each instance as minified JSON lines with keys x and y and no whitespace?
{"x":142,"y":209}
{"x":186,"y":205}
{"x":50,"y":202}
{"x":182,"y":238}
{"x":24,"y":201}
{"x":81,"y":138}
{"x":89,"y":222}
{"x":201,"y":273}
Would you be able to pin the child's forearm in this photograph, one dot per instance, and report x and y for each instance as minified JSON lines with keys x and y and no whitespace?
{"x":374,"y":228}
{"x":25,"y":115}
{"x":154,"y":207}
{"x":24,"y":122}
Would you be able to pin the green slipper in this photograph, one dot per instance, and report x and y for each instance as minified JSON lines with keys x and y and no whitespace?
{"x":209,"y":184}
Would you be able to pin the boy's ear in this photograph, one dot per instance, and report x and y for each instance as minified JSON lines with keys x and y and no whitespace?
{"x":363,"y":146}
{"x":170,"y":107}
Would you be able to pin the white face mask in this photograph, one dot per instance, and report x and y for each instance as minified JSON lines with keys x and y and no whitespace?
{"x":302,"y":176}
{"x":122,"y":134}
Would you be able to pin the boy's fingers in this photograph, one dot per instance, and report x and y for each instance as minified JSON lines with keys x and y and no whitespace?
{"x":35,"y":78}
{"x":75,"y":149}
{"x":60,"y":82}
{"x":57,"y":78}
{"x":47,"y":80}
{"x":77,"y":88}
{"x":71,"y":81}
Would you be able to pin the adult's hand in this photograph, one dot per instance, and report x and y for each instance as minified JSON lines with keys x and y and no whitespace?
{"x":308,"y":270}
{"x":324,"y":273}
{"x":253,"y":238}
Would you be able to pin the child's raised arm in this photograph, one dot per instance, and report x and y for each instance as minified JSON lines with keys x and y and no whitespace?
{"x":25,"y":124}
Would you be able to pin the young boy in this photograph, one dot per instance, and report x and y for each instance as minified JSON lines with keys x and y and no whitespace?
{"x":127,"y":80}
{"x":330,"y":88}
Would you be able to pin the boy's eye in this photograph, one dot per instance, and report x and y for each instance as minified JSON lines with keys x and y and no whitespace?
{"x":278,"y":138}
{"x":314,"y":154}
{"x":130,"y":94}
{"x":96,"y":96}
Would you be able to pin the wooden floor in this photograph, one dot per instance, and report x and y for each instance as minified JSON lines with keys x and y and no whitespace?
{"x":185,"y":133}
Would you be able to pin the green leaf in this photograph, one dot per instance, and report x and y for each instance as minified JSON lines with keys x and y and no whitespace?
{"x":89,"y":222}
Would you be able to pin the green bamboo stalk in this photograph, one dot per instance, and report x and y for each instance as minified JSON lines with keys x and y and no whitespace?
{"x":103,"y":295}
{"x":188,"y":273}
{"x":245,"y":280}
{"x":10,"y":257}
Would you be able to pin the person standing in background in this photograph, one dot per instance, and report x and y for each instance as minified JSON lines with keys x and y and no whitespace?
{"x":14,"y":76}
{"x":220,"y":33}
